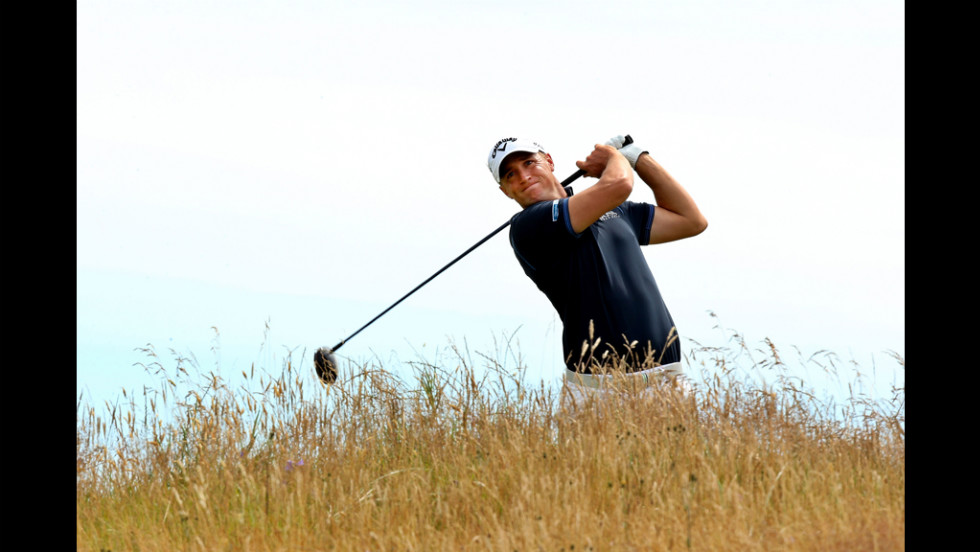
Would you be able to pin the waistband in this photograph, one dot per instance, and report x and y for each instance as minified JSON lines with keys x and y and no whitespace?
{"x":643,"y":378}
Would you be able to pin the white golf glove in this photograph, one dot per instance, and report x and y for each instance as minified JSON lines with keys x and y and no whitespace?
{"x":625,"y":145}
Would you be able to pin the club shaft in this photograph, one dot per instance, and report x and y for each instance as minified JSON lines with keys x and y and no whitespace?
{"x":564,"y":183}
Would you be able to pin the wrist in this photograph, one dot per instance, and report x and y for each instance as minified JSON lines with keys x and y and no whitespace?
{"x":632,"y":153}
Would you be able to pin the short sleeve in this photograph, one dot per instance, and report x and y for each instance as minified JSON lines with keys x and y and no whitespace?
{"x":640,"y":216}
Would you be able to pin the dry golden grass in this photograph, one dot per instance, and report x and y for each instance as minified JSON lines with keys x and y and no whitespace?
{"x":475,"y":458}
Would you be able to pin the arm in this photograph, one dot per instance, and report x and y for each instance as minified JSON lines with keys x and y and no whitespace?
{"x":613,"y":188}
{"x":677,"y":216}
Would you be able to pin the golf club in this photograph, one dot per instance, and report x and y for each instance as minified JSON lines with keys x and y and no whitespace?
{"x":324,"y":360}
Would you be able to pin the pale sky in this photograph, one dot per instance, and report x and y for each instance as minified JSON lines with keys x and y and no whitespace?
{"x":306,"y":164}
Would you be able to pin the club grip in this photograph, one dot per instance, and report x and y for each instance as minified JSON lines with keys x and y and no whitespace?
{"x":575,"y":176}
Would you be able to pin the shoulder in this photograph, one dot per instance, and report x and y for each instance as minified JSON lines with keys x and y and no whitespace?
{"x":541,"y":230}
{"x":638,"y":213}
{"x":544,"y":217}
{"x":639,"y":217}
{"x":635,"y":208}
{"x":540,"y":209}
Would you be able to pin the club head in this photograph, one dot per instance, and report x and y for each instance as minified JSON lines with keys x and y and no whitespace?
{"x":325,"y":364}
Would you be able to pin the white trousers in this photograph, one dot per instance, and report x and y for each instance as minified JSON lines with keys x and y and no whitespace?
{"x":580,"y":387}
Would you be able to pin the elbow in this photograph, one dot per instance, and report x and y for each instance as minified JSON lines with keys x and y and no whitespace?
{"x":695,"y":226}
{"x":622,"y":188}
{"x":700,"y":225}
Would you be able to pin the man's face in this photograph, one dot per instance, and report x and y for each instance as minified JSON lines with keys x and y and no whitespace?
{"x":528,"y":178}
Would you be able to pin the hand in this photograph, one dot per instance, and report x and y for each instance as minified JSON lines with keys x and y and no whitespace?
{"x":625,"y":145}
{"x":619,"y":141}
{"x":596,"y":162}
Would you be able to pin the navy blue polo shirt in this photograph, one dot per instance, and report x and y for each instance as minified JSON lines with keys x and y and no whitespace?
{"x":600,"y":276}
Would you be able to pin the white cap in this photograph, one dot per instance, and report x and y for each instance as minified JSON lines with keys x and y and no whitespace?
{"x":505,"y":147}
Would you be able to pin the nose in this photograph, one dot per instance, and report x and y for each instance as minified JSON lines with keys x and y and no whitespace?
{"x":522,"y":173}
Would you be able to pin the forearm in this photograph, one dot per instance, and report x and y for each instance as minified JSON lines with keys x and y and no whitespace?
{"x":613,"y":188}
{"x":668,"y":192}
{"x":617,"y":175}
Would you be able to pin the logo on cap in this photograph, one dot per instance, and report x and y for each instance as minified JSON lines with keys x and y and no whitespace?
{"x":501,"y":146}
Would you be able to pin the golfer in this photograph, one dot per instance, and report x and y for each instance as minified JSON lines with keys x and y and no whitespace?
{"x":583,"y":251}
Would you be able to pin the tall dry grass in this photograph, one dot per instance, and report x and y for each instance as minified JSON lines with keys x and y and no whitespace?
{"x":468,"y":455}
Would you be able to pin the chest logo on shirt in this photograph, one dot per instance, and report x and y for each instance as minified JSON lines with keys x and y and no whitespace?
{"x":554,"y":210}
{"x":609,"y":215}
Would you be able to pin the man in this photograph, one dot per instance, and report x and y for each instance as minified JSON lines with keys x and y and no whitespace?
{"x":583,"y":251}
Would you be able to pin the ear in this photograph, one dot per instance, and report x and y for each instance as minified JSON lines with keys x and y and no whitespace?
{"x":551,"y":162}
{"x":504,"y":191}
